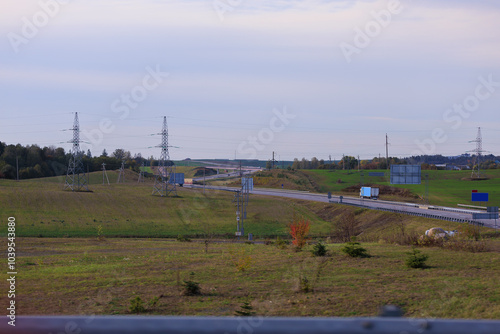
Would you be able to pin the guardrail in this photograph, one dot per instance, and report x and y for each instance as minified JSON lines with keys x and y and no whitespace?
{"x":417,"y":214}
{"x":244,"y":325}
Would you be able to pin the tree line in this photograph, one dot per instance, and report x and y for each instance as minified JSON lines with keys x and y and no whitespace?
{"x":346,"y":163}
{"x":426,"y":162}
{"x":33,"y":161}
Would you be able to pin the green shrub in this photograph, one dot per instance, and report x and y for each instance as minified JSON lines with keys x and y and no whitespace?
{"x":152,"y":303}
{"x":137,"y":305}
{"x":280,"y":243}
{"x":319,"y":249}
{"x":304,"y":284}
{"x":100,"y":233}
{"x":473,"y":246}
{"x":182,"y":238}
{"x":246,"y":310}
{"x":191,"y":288}
{"x":353,"y":249}
{"x":416,"y":259}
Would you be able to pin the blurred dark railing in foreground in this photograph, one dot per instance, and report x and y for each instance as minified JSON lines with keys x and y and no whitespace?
{"x":242,"y":325}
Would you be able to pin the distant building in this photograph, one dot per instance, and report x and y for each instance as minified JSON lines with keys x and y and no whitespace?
{"x":450,"y":167}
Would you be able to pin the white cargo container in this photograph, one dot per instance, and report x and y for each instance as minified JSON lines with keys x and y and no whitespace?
{"x":369,"y":192}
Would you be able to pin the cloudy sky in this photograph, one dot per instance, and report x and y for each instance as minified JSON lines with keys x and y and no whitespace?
{"x":241,"y":78}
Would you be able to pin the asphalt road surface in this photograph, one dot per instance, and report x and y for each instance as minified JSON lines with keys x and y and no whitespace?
{"x":443,"y":213}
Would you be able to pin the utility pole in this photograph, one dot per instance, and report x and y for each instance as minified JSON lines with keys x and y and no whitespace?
{"x":358,"y":163}
{"x":387,"y":151}
{"x":273,"y":161}
{"x":17,"y":168}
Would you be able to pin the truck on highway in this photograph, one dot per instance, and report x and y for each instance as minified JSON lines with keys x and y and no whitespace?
{"x":369,"y":192}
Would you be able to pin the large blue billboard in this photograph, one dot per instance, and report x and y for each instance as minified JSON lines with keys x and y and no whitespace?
{"x":480,"y":197}
{"x":406,"y":174}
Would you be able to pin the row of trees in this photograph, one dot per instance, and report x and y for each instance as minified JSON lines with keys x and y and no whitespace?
{"x":349,"y":162}
{"x":346,"y":163}
{"x":34,"y":161}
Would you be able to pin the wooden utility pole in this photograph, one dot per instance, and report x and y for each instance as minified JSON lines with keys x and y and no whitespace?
{"x":387,"y":151}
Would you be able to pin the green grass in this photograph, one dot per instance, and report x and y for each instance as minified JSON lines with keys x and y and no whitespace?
{"x":447,"y":188}
{"x":87,"y":276}
{"x":42,"y":208}
{"x":74,"y":275}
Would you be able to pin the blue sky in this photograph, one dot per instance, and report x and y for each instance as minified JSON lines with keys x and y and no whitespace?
{"x":345,"y":72}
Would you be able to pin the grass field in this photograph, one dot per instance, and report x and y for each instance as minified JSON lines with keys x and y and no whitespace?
{"x":88,"y":276}
{"x":42,"y":208}
{"x":112,"y":246}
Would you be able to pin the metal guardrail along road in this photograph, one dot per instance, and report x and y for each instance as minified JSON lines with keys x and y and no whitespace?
{"x":244,"y":325}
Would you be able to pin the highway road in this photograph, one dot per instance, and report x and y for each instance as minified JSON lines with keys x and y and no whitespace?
{"x":221,"y":176}
{"x":435,"y":212}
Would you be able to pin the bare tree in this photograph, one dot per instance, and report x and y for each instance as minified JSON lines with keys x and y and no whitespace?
{"x":346,"y":227}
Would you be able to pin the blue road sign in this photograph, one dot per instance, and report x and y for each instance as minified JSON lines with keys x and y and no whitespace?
{"x":479,"y":197}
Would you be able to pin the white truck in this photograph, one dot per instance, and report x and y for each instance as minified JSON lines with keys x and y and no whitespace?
{"x":369,"y":192}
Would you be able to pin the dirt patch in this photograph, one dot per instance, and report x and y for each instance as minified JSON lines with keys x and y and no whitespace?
{"x":475,"y":178}
{"x":208,"y":172}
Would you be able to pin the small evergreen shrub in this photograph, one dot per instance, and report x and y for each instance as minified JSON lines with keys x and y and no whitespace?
{"x":319,"y":249}
{"x":354,"y":249}
{"x":191,"y":288}
{"x":416,"y":259}
{"x":246,"y":310}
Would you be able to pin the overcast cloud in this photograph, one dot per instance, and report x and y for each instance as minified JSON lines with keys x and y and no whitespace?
{"x":232,"y":68}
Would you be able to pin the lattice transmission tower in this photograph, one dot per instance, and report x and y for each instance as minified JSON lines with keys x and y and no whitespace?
{"x":76,"y":179}
{"x":164,"y":184}
{"x":476,"y":170}
{"x":121,"y":175}
{"x":141,"y":173}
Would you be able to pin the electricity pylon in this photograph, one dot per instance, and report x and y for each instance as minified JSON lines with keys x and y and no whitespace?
{"x":121,"y":175}
{"x":476,"y":170}
{"x":141,"y":174}
{"x":76,"y":180}
{"x":165,"y":171}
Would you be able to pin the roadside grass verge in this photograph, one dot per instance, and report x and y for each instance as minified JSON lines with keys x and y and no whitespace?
{"x":86,"y":276}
